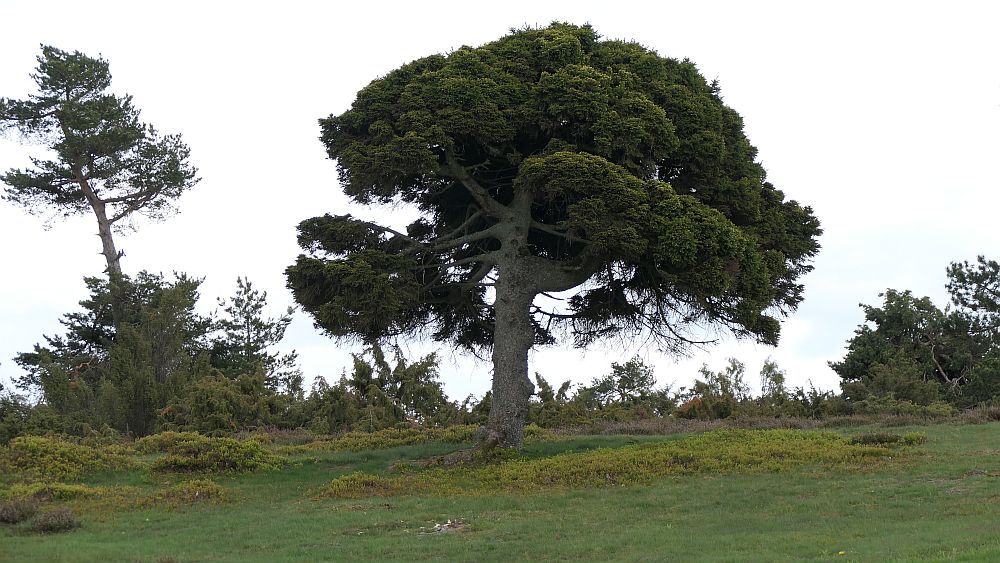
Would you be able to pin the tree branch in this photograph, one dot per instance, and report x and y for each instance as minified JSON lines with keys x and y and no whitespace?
{"x":552,"y":230}
{"x":135,"y":206}
{"x":431,"y":246}
{"x":555,"y":276}
{"x":482,"y":196}
{"x":488,"y":258}
{"x":462,"y":228}
{"x":394,"y":232}
{"x":471,"y":237}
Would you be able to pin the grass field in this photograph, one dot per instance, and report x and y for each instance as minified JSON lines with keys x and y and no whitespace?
{"x":939,"y":500}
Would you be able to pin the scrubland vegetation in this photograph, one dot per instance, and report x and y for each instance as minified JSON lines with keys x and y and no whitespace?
{"x":891,"y":488}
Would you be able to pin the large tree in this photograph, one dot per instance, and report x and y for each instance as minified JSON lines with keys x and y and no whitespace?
{"x":550,"y":161}
{"x":102,"y":158}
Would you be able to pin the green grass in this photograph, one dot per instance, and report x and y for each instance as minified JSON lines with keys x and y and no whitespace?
{"x":935,"y":501}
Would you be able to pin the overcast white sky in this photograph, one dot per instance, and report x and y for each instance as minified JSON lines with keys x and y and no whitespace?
{"x":884,"y":117}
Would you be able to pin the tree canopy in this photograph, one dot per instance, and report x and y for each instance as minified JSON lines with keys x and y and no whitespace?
{"x":909,"y":349}
{"x":550,"y":161}
{"x":103,"y":158}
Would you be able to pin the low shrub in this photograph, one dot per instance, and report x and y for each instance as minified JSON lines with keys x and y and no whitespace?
{"x":288,"y":437}
{"x":52,"y":491}
{"x":200,"y":453}
{"x":49,"y":458}
{"x":55,"y":521}
{"x":162,"y":442}
{"x":17,"y":510}
{"x":721,"y":451}
{"x":980,"y":415}
{"x":189,"y":492}
{"x":887,"y":405}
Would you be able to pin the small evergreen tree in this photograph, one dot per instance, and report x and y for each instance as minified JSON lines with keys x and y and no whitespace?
{"x":405,"y":391}
{"x":132,"y":347}
{"x":248,"y":337}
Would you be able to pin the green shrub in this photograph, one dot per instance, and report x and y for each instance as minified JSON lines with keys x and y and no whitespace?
{"x":721,"y":451}
{"x":45,"y":458}
{"x":162,"y":442}
{"x":50,"y":491}
{"x":17,"y":510}
{"x":54,"y":521}
{"x":220,"y":404}
{"x":201,"y":453}
{"x":889,"y":405}
{"x":877,"y":439}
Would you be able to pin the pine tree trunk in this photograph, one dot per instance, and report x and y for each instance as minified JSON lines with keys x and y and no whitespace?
{"x":512,"y":339}
{"x":99,"y":206}
{"x":107,"y":240}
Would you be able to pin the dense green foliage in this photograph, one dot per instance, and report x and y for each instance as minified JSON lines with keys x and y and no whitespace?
{"x":191,"y":451}
{"x":550,"y":160}
{"x":132,"y":348}
{"x":909,"y":350}
{"x":138,"y":357}
{"x":636,"y":171}
{"x":201,"y":453}
{"x":243,"y":347}
{"x":42,"y":458}
{"x":52,"y":490}
{"x":104,"y":159}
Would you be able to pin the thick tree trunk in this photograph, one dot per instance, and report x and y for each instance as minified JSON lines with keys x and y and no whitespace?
{"x":512,"y":339}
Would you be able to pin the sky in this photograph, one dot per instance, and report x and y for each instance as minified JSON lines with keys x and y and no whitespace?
{"x":881,"y":116}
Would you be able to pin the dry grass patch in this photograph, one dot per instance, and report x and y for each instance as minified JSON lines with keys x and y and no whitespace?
{"x":17,"y":510}
{"x":55,"y":521}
